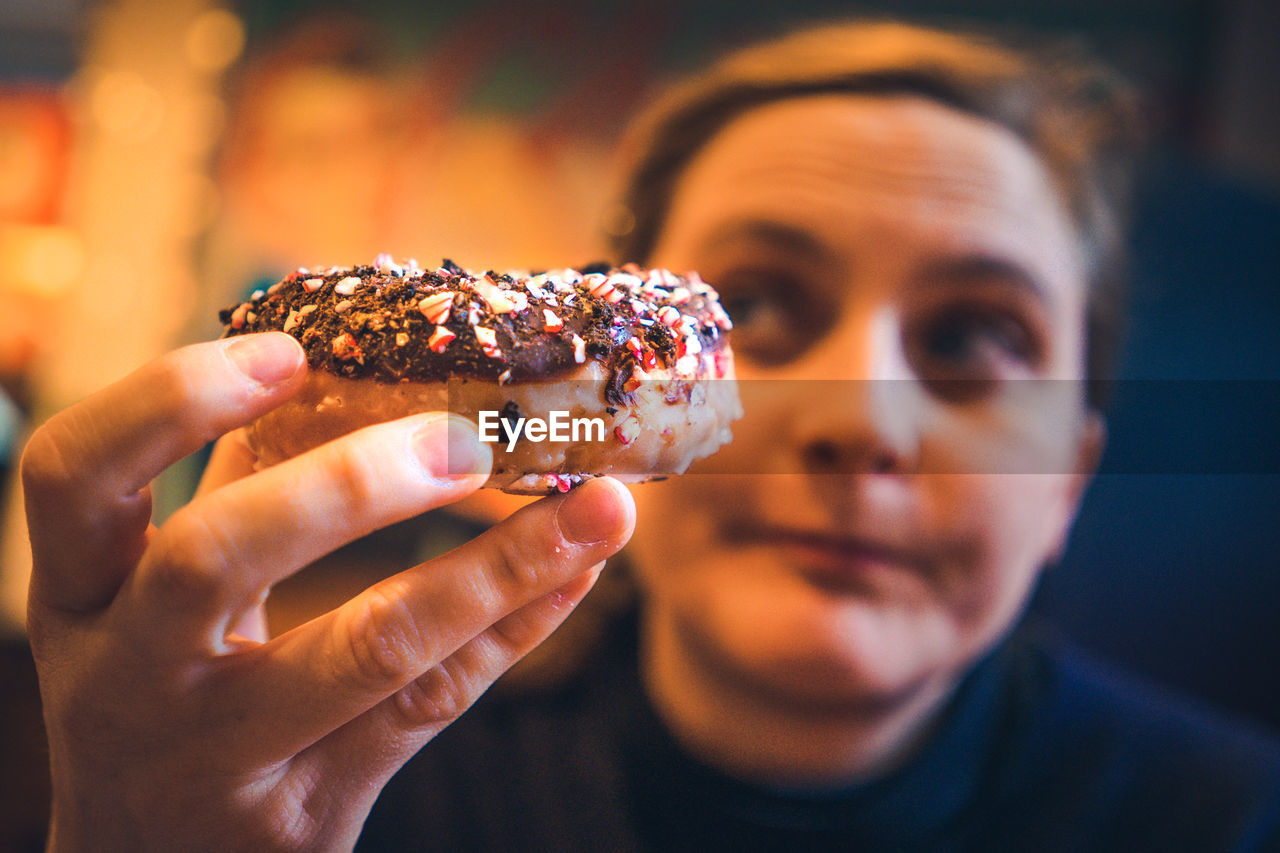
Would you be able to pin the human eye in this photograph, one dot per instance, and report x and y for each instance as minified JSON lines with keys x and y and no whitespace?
{"x":768,"y":308}
{"x":962,"y":349}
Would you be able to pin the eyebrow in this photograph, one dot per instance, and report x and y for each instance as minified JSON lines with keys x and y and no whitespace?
{"x":973,"y":267}
{"x":984,"y":268}
{"x":776,"y":235}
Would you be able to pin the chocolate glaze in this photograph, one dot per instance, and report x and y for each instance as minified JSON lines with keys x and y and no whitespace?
{"x":380,"y":332}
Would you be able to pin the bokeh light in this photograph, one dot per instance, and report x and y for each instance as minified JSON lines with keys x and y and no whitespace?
{"x":214,"y":40}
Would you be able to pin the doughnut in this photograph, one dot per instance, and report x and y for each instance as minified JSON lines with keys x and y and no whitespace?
{"x":570,"y":373}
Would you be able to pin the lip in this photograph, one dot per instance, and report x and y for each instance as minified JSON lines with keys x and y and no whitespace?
{"x":838,"y":562}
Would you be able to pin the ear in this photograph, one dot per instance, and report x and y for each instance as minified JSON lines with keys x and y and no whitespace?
{"x":1093,"y":440}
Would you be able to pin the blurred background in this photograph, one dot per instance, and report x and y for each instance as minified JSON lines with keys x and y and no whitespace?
{"x":157,"y":160}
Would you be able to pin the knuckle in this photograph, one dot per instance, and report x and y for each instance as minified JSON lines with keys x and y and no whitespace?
{"x":171,"y":381}
{"x":515,"y":634}
{"x":437,"y":697}
{"x":43,"y":466}
{"x":360,"y":485}
{"x":177,"y":402}
{"x":516,"y":566}
{"x":188,"y":562}
{"x":293,"y":816}
{"x":381,"y":644}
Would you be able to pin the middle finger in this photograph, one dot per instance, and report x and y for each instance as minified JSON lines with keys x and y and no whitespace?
{"x":296,"y":689}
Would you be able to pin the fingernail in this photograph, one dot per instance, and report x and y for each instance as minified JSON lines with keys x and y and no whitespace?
{"x":450,"y":446}
{"x":591,"y":513}
{"x":269,"y":358}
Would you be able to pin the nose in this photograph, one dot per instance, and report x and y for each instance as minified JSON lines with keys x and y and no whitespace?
{"x":862,"y":412}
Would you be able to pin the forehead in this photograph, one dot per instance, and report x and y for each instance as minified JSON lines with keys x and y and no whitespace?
{"x":849,"y":167}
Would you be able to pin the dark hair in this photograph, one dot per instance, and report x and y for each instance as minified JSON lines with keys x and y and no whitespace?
{"x":1073,"y":113}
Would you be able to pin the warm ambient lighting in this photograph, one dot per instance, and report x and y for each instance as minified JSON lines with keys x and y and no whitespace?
{"x":214,"y":40}
{"x":196,"y":198}
{"x":125,"y":105}
{"x":42,"y":260}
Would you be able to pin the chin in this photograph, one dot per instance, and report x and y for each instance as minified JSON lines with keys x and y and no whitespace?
{"x":773,"y":629}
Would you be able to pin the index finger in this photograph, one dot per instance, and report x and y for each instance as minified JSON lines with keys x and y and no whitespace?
{"x":84,"y":471}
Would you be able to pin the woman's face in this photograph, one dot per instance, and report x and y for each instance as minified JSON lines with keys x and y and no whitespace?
{"x":896,"y":271}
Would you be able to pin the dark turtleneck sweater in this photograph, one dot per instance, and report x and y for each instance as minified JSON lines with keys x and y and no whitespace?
{"x":1038,"y":750}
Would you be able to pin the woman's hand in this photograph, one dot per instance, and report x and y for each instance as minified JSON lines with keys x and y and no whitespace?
{"x":174,"y":722}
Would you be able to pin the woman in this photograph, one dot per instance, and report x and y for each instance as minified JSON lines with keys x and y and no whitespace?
{"x":914,"y":232}
{"x":917,"y":237}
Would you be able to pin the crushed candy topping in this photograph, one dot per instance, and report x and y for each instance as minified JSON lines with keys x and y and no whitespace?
{"x":440,"y":339}
{"x":627,"y":431}
{"x":345,"y":347}
{"x":436,"y":307}
{"x":394,"y":321}
{"x":495,"y":299}
{"x":486,"y":336}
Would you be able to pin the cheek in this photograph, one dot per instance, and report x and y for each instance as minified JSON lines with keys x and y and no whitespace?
{"x":1008,"y":511}
{"x":1002,"y":528}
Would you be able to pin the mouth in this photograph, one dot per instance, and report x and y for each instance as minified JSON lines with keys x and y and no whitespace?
{"x":835,"y":562}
